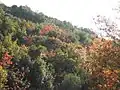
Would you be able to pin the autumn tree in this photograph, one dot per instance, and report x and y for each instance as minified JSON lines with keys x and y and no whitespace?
{"x":103,"y":64}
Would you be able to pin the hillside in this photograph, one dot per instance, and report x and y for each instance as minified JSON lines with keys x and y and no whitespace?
{"x":38,"y":52}
{"x":26,"y":13}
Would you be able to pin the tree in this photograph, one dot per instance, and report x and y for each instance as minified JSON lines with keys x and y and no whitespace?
{"x":103,"y":64}
{"x":71,"y":82}
{"x":108,"y":26}
{"x":41,"y":75}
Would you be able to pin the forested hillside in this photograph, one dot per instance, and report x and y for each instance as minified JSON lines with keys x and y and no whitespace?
{"x":38,"y":52}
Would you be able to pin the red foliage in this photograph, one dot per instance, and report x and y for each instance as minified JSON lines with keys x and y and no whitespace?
{"x":46,"y":29}
{"x":6,"y":59}
{"x":104,"y":79}
{"x":104,"y":61}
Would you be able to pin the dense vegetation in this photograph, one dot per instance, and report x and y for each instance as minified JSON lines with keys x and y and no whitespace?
{"x":38,"y":52}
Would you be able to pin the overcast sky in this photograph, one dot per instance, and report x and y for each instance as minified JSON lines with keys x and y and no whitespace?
{"x":78,"y":12}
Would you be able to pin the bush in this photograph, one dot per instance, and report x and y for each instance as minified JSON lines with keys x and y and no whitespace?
{"x":3,"y":77}
{"x":71,"y":82}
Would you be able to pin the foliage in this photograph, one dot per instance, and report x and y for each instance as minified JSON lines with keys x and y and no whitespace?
{"x":41,"y":75}
{"x":71,"y":82}
{"x":3,"y":77}
{"x":104,"y":65}
{"x":108,"y":26}
{"x":42,"y":53}
{"x":5,"y":61}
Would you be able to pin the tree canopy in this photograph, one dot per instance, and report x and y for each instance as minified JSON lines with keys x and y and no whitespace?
{"x":38,"y":52}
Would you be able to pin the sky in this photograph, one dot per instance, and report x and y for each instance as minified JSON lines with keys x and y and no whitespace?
{"x":78,"y":12}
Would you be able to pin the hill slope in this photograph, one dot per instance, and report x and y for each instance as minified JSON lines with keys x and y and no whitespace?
{"x":38,"y":52}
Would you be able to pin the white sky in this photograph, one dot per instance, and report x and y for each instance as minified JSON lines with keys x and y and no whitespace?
{"x":78,"y":12}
